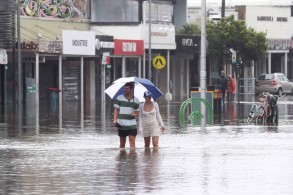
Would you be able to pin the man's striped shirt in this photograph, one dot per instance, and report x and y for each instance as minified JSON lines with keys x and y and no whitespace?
{"x":126,"y":107}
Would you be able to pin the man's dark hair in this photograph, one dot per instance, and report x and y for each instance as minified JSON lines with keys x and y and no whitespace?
{"x":130,"y":84}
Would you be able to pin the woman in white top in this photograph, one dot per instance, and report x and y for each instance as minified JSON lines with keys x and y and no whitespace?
{"x":150,"y":121}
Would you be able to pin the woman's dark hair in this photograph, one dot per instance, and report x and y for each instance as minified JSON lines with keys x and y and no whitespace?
{"x":130,"y":84}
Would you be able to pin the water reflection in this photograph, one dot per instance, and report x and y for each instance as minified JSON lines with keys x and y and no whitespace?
{"x":150,"y":164}
{"x":126,"y":171}
{"x":77,"y":153}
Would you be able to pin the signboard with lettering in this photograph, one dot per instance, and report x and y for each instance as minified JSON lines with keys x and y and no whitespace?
{"x":50,"y":46}
{"x":32,"y":58}
{"x":104,"y":44}
{"x":3,"y":57}
{"x":279,"y":44}
{"x":188,"y":43}
{"x":78,"y":42}
{"x":106,"y":58}
{"x":128,"y":47}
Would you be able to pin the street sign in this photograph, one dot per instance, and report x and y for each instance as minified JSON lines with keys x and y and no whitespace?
{"x":234,"y":60}
{"x":3,"y":57}
{"x":159,"y":62}
{"x":106,"y":58}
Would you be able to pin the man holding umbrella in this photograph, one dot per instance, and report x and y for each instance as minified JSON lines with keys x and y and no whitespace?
{"x":126,"y":109}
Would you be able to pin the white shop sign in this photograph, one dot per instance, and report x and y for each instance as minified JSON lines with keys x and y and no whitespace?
{"x":3,"y":57}
{"x":78,"y":42}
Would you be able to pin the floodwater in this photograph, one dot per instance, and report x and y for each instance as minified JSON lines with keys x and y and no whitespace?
{"x":78,"y":154}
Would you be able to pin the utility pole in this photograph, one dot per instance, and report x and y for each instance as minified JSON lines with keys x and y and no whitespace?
{"x":203,"y":73}
{"x":19,"y":72}
{"x":150,"y":40}
{"x":223,"y":8}
{"x":222,"y":17}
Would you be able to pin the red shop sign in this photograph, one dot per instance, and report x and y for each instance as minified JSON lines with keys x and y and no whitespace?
{"x":128,"y":47}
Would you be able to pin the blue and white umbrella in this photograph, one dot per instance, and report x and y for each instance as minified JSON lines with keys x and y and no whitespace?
{"x":140,"y":86}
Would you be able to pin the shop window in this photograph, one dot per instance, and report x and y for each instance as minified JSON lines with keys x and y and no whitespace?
{"x":115,"y":11}
{"x":161,"y":12}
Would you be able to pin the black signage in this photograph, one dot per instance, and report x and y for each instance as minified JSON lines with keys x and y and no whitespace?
{"x":188,"y":43}
{"x":104,"y":44}
{"x":28,"y":45}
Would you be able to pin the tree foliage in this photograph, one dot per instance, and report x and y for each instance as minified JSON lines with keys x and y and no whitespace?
{"x":189,"y":29}
{"x":227,"y":34}
{"x":233,"y":34}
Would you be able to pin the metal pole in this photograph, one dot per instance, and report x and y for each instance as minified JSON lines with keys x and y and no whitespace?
{"x":168,"y":71}
{"x":61,"y":92}
{"x":150,"y":39}
{"x":103,"y":95}
{"x":19,"y":59}
{"x":203,"y":63}
{"x":37,"y":92}
{"x":223,"y":9}
{"x":81,"y":86}
{"x":139,"y":66}
{"x":143,"y":65}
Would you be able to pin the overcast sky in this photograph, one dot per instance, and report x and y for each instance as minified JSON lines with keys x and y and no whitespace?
{"x":243,"y":2}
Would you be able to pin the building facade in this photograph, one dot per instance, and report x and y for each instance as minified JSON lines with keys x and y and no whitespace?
{"x":123,"y":31}
{"x":275,"y":20}
{"x":277,"y":23}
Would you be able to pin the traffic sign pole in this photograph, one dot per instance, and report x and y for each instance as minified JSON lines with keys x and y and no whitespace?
{"x":203,"y":63}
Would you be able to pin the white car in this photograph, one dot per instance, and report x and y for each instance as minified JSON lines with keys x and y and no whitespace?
{"x":276,"y":83}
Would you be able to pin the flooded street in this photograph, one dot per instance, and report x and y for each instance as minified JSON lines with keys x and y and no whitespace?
{"x":78,"y":154}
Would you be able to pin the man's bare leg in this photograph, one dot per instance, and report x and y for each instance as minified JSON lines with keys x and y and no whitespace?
{"x":122,"y":142}
{"x":132,"y":141}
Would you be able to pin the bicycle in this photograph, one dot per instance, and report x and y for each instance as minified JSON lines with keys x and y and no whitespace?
{"x":266,"y":111}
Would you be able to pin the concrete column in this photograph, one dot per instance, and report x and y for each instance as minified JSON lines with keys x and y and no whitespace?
{"x":269,"y":63}
{"x":139,"y":66}
{"x":92,"y":81}
{"x":123,"y":66}
{"x":286,"y":64}
{"x":182,"y":64}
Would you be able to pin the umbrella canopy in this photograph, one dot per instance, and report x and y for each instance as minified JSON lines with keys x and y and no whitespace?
{"x":140,"y":86}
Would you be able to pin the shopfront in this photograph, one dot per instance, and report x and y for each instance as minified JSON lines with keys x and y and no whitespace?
{"x":185,"y":62}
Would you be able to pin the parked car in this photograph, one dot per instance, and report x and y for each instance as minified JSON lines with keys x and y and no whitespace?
{"x":276,"y":83}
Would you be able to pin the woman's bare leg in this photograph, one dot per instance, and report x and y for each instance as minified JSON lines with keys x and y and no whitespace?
{"x":147,"y":142}
{"x":155,"y":141}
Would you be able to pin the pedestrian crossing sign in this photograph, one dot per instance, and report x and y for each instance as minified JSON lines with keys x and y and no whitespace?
{"x":159,"y":62}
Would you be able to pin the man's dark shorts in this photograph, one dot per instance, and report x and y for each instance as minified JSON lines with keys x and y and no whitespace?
{"x":124,"y":133}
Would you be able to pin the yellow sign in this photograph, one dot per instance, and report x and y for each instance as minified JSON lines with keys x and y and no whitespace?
{"x":159,"y":62}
